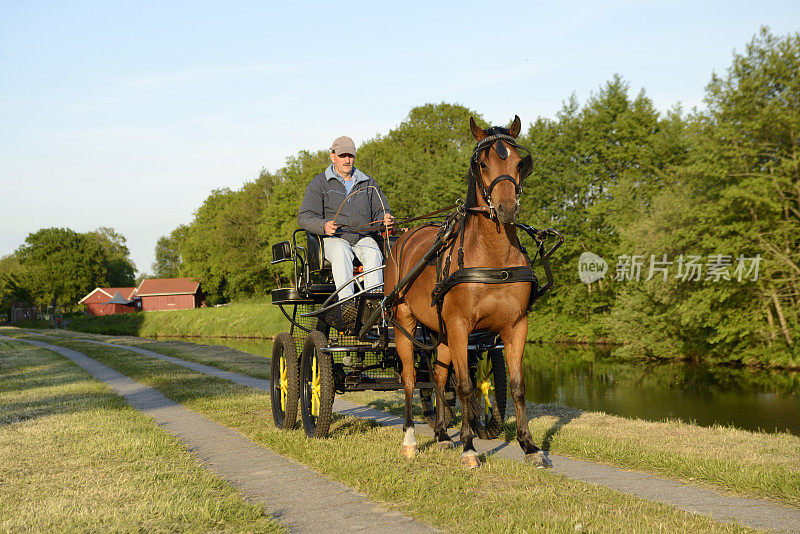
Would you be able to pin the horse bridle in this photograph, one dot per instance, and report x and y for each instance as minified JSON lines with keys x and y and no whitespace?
{"x":494,"y":141}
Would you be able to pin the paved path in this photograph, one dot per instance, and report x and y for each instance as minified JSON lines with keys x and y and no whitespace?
{"x":754,"y":513}
{"x":296,"y":496}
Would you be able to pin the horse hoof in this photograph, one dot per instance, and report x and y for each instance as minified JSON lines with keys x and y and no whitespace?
{"x":445,"y":445}
{"x":410,"y":451}
{"x":539,"y":459}
{"x":470,"y":460}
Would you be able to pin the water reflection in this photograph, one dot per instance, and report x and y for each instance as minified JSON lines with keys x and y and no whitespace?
{"x":588,"y":379}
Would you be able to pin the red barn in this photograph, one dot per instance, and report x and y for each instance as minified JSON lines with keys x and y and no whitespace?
{"x":169,"y":294}
{"x":101,"y":301}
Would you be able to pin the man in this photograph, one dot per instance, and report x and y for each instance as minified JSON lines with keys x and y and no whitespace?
{"x":342,"y":203}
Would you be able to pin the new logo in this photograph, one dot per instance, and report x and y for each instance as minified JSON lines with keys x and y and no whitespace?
{"x":591,"y":267}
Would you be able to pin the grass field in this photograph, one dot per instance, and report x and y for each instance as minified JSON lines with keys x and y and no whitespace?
{"x":74,"y":457}
{"x":747,"y":463}
{"x":502,"y":496}
{"x":721,"y":458}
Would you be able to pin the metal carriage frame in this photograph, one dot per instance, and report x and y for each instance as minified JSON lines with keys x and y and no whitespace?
{"x":324,"y":353}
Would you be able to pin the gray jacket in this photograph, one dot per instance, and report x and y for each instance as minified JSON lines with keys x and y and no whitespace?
{"x":324,"y":196}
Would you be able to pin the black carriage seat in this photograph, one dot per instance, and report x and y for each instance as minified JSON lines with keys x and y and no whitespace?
{"x":315,"y":251}
{"x":321,"y":266}
{"x":318,"y":265}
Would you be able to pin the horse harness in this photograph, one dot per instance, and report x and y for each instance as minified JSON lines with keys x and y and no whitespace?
{"x":454,"y":229}
{"x":498,"y":142}
{"x":445,"y":281}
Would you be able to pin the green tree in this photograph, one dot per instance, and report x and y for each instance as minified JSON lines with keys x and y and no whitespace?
{"x":11,"y":288}
{"x":737,"y":194}
{"x":120,"y":270}
{"x":168,"y":262}
{"x":223,"y":247}
{"x":60,"y":266}
{"x":596,"y":170}
{"x":753,"y":137}
{"x":280,"y":214}
{"x":421,"y":165}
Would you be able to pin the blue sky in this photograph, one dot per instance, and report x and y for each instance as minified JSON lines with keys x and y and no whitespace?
{"x":127,"y":114}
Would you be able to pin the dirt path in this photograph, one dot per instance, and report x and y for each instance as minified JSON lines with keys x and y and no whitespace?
{"x":296,"y":496}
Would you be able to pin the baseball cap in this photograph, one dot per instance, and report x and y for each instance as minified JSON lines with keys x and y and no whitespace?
{"x":343,"y":145}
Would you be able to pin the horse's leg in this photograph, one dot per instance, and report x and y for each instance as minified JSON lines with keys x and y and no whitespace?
{"x":440,"y":379}
{"x":405,"y":350}
{"x":457,"y":341}
{"x":514,"y":340}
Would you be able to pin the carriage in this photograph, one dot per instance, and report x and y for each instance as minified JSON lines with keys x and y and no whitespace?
{"x":349,"y":346}
{"x":450,"y":322}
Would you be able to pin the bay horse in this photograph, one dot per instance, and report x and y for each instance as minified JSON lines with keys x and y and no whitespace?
{"x":489,"y":240}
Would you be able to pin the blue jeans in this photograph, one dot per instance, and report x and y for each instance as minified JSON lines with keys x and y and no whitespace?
{"x":340,"y":253}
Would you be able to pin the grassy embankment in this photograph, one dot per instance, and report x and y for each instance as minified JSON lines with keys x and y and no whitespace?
{"x":502,"y":496}
{"x":35,"y":323}
{"x":259,"y":318}
{"x":75,"y":457}
{"x":748,"y":463}
{"x":254,"y":318}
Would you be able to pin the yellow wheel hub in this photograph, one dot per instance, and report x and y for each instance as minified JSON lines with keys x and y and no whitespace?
{"x":486,"y":387}
{"x":284,"y":383}
{"x":484,"y":383}
{"x":316,"y":388}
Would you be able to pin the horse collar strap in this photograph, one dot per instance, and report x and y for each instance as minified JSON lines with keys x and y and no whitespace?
{"x":482,"y":275}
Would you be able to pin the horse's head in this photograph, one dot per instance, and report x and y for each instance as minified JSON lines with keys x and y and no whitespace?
{"x":498,"y":168}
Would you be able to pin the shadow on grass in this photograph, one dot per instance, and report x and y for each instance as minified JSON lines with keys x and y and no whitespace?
{"x":191,"y":388}
{"x":219,"y":356}
{"x":348,"y":425}
{"x":37,"y":379}
{"x":130,"y":324}
{"x":17,"y":412}
{"x":176,"y":383}
{"x":565,"y":414}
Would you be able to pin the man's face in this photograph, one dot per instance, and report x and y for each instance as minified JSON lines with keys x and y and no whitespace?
{"x":343,"y":164}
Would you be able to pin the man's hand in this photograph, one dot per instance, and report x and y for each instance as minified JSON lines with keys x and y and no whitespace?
{"x":330,"y":227}
{"x":388,"y":220}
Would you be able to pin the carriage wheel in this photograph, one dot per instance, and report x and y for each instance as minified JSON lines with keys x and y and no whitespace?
{"x":490,"y":392}
{"x":316,"y":381}
{"x":284,"y":381}
{"x":428,"y":401}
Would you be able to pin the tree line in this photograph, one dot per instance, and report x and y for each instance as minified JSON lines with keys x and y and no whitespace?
{"x":56,"y":267}
{"x":719,"y":186}
{"x":696,"y":214}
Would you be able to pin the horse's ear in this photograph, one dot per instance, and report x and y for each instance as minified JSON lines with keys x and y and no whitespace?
{"x":515,"y":127}
{"x":477,"y":131}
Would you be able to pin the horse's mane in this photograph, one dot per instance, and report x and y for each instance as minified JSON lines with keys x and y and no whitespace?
{"x":472,"y":189}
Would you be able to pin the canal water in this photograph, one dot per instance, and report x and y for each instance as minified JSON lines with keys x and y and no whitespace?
{"x":589,"y":379}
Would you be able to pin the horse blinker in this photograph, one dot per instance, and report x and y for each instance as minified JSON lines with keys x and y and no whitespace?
{"x":525,"y":167}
